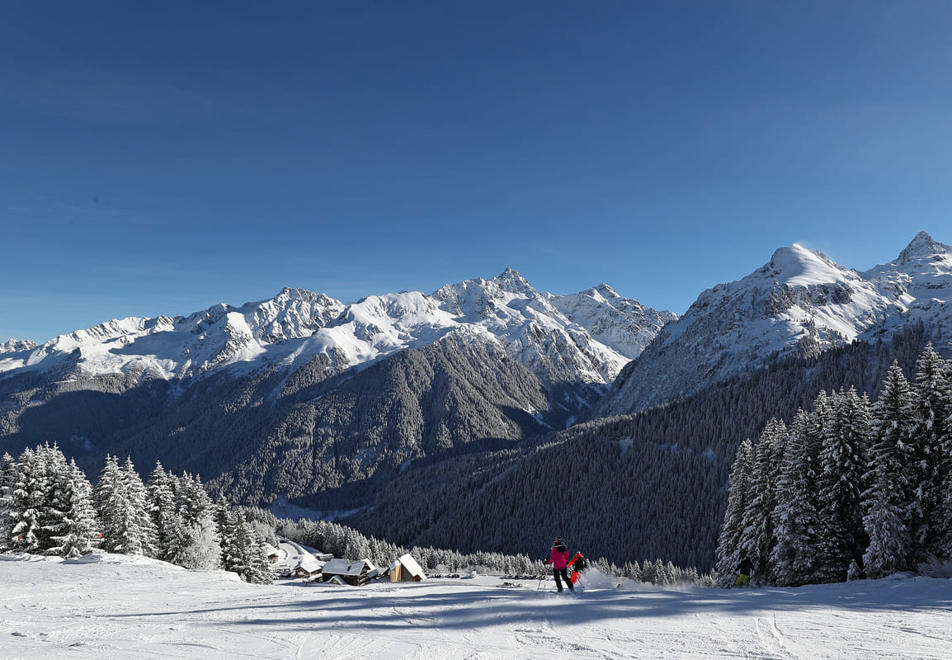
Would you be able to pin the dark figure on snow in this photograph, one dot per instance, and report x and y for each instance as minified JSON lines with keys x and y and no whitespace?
{"x":559,"y":558}
{"x":743,"y":572}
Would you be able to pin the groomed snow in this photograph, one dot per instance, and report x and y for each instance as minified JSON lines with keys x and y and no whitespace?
{"x":122,"y":607}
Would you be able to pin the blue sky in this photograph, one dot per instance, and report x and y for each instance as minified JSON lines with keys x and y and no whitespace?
{"x":165,"y":157}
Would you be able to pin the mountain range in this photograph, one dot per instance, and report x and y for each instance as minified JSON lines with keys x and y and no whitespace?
{"x":301,"y":393}
{"x":326,"y":403}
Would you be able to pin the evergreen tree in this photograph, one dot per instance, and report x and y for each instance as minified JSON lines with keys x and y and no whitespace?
{"x":201,"y":551}
{"x":759,"y":536}
{"x":141,"y":526}
{"x":728,"y":544}
{"x":78,"y":533}
{"x":241,"y":549}
{"x":163,"y":510}
{"x":796,"y":516}
{"x":842,"y":466}
{"x":258,"y":567}
{"x":53,"y":476}
{"x":928,"y":456}
{"x":193,"y":543}
{"x":890,"y":496}
{"x":26,"y":503}
{"x":8,"y":475}
{"x":123,"y":510}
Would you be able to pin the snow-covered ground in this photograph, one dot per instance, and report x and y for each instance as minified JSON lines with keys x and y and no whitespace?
{"x":119,"y":607}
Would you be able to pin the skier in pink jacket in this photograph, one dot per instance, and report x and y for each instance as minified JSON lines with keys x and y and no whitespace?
{"x":559,"y":558}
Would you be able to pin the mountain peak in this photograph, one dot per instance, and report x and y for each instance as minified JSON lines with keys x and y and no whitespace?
{"x":797,"y":265}
{"x":922,"y":245}
{"x":607,"y":291}
{"x":512,"y":281}
{"x":795,"y":253}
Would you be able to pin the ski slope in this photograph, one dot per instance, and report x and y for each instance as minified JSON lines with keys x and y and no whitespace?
{"x":121,"y":607}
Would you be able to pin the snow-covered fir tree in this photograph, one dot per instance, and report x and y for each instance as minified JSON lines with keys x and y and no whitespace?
{"x":796,"y":516}
{"x":8,"y":473}
{"x":26,"y":504}
{"x":47,"y":505}
{"x":890,"y":497}
{"x":123,"y":510}
{"x":78,"y":533}
{"x":928,"y":456}
{"x":842,"y":466}
{"x":728,"y":544}
{"x":52,"y":474}
{"x":195,"y":543}
{"x":759,"y":536}
{"x":862,"y":490}
{"x":241,"y":548}
{"x":162,"y":508}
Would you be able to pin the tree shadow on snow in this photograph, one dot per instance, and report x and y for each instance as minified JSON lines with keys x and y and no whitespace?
{"x":408,"y":607}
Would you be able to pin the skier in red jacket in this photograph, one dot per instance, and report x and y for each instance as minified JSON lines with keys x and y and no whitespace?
{"x":559,"y":558}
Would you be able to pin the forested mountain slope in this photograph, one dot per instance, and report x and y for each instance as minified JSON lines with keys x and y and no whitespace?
{"x":631,"y":487}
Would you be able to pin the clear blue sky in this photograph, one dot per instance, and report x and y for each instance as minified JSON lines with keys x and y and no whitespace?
{"x":162,"y":157}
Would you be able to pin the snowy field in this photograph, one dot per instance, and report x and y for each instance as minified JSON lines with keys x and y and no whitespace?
{"x":113,"y":606}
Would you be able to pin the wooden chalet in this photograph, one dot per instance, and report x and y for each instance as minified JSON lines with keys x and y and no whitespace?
{"x":406,"y":569}
{"x":354,"y":573}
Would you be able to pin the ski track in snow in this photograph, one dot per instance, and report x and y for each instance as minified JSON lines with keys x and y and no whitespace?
{"x":123,"y":607}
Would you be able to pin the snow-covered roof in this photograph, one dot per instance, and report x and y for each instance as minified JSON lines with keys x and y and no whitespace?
{"x":347,"y":567}
{"x":309,"y":563}
{"x":410,"y":564}
{"x":292,"y":556}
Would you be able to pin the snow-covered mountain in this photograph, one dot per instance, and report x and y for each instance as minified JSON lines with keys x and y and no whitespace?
{"x":556,"y":341}
{"x":620,"y":323}
{"x":178,"y":347}
{"x":920,"y":282}
{"x":589,"y":342}
{"x":302,"y":393}
{"x":14,"y":345}
{"x":799,"y":302}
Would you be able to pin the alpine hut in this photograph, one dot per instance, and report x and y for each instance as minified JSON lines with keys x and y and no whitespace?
{"x":406,"y":569}
{"x":354,"y":573}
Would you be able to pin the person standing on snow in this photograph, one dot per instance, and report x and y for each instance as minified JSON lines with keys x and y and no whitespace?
{"x":559,"y":558}
{"x":743,"y":572}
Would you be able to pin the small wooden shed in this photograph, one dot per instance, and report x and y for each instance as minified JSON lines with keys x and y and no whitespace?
{"x":354,"y":573}
{"x":406,"y":569}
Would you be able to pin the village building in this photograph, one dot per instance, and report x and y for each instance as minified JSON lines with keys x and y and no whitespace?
{"x":406,"y":569}
{"x":294,"y":559}
{"x":355,"y":573}
{"x":308,"y":567}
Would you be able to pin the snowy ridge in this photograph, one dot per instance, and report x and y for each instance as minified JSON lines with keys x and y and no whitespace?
{"x":297,"y":325}
{"x":620,"y":323}
{"x":167,"y":347}
{"x":798,"y":302}
{"x":16,"y":345}
{"x":532,"y":329}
